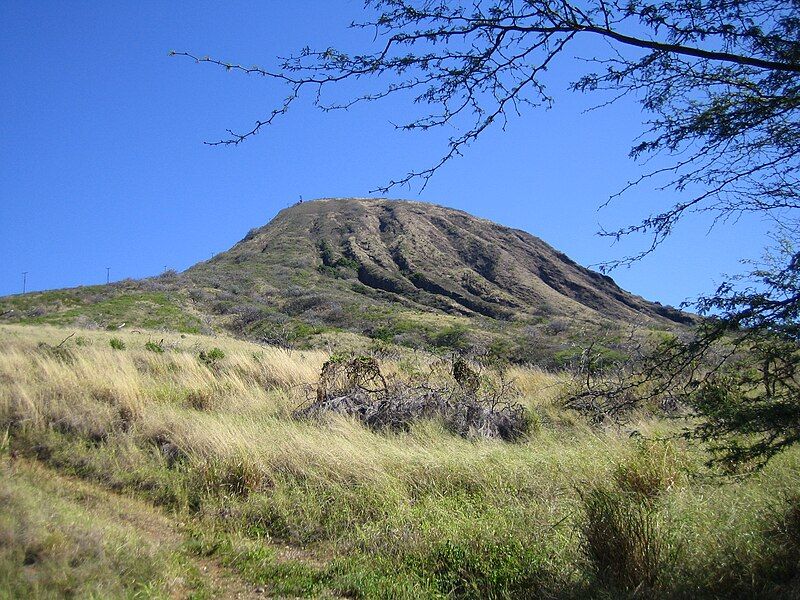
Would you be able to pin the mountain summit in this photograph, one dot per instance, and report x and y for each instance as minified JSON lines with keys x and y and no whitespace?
{"x":427,"y":257}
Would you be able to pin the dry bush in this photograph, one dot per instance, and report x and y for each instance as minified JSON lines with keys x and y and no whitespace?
{"x":356,"y":387}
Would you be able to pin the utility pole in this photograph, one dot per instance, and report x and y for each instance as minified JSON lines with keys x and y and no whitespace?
{"x":108,"y":275}
{"x":24,"y":281}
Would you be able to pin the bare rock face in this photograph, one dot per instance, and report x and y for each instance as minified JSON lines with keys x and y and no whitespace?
{"x":423,"y":257}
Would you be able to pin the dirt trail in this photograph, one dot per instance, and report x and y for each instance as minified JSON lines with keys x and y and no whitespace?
{"x":225,"y":583}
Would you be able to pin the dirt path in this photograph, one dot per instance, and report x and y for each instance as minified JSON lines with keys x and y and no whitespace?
{"x":151,"y":523}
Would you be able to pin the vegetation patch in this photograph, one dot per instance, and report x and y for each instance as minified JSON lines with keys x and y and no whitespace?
{"x":354,"y":386}
{"x":53,"y":546}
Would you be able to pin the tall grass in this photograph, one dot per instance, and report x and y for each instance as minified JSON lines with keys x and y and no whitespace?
{"x":415,"y":514}
{"x":624,"y":539}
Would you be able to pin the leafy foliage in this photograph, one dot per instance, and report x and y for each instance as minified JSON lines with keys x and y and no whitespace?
{"x":211,"y":357}
{"x":157,"y":347}
{"x":751,"y":402}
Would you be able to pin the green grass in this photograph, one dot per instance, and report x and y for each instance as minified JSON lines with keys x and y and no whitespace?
{"x":53,"y":546}
{"x":106,"y":306}
{"x":259,"y":563}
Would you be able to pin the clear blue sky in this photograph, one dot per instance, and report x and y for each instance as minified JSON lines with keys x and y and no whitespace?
{"x":103,"y":163}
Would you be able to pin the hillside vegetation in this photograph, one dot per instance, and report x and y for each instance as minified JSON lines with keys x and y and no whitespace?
{"x":348,"y":272}
{"x":199,"y":432}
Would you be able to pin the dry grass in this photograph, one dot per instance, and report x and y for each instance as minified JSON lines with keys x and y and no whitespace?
{"x":421,"y":513}
{"x":37,"y":383}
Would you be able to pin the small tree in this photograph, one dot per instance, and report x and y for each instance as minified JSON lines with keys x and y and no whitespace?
{"x":738,"y":372}
{"x":750,"y":401}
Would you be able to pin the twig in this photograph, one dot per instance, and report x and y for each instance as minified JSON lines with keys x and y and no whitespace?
{"x":65,"y":339}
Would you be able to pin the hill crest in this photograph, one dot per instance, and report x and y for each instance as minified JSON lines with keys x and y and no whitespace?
{"x":436,"y":257}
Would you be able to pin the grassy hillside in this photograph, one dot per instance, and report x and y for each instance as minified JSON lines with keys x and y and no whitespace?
{"x":425,"y":257}
{"x":331,"y":508}
{"x":357,"y":271}
{"x":147,"y":304}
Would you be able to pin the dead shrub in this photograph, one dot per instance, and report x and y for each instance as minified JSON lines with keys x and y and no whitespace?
{"x":466,"y":377}
{"x":342,"y":375}
{"x":354,"y":386}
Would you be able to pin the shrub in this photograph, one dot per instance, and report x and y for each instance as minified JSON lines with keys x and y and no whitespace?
{"x":246,"y":315}
{"x":199,"y":295}
{"x":331,"y":262}
{"x":652,"y":471}
{"x":116,"y":344}
{"x":557,"y":325}
{"x":594,"y":360}
{"x":226,"y":478}
{"x":168,"y":275}
{"x":211,"y":357}
{"x":157,"y":347}
{"x":310,"y":302}
{"x":326,"y":253}
{"x":454,"y":337}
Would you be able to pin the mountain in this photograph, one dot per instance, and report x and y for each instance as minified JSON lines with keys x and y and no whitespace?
{"x":399,"y":271}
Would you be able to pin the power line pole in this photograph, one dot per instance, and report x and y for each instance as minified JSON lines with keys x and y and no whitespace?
{"x":108,"y":275}
{"x":24,"y":281}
